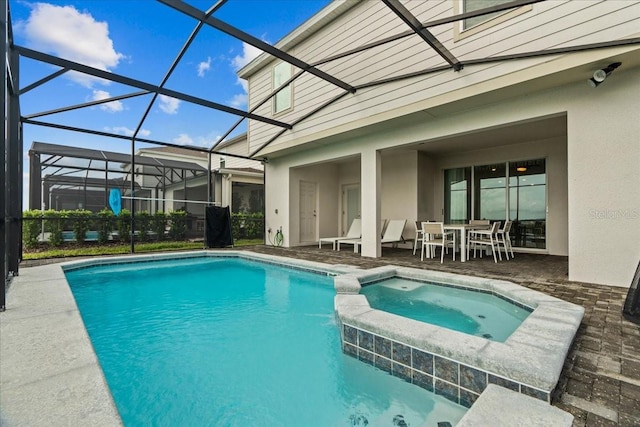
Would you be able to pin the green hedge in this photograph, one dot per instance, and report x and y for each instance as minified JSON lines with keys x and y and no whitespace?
{"x":31,"y":228}
{"x":247,"y":226}
{"x":103,"y":222}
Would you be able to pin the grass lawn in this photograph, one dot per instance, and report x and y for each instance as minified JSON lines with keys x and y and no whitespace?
{"x":74,"y":250}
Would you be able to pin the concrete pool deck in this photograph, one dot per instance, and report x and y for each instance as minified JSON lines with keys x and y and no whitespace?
{"x":49,"y":373}
{"x":600,"y":383}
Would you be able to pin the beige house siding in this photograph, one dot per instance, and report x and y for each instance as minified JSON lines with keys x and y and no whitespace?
{"x":547,"y":25}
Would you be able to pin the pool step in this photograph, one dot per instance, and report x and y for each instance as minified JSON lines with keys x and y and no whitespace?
{"x":500,"y":407}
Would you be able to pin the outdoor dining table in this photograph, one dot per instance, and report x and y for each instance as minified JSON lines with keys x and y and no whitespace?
{"x":463,"y":228}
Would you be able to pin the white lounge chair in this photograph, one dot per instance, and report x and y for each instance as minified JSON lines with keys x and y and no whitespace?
{"x":355,"y":231}
{"x":392,"y":234}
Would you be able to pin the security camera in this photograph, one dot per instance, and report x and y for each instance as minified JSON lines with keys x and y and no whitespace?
{"x":600,"y":75}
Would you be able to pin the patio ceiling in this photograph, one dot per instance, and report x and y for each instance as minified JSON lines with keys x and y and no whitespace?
{"x":514,"y":133}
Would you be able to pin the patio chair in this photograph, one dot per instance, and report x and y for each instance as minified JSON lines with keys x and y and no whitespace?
{"x":419,"y":236}
{"x":485,"y":238}
{"x":504,"y":238}
{"x":355,"y":231}
{"x":392,"y":234}
{"x":433,"y":235}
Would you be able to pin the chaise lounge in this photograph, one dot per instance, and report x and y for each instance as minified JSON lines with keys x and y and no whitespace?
{"x":392,"y":234}
{"x":355,"y":231}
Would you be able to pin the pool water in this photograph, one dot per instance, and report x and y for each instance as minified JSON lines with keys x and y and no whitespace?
{"x":230,"y":342}
{"x":467,"y":311}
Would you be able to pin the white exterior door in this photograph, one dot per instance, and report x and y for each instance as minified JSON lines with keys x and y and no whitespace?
{"x":308,"y":211}
{"x":350,"y":205}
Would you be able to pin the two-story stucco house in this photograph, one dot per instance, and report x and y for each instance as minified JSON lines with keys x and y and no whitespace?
{"x":491,"y":117}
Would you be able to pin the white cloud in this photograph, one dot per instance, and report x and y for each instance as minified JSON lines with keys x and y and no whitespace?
{"x":198,"y":141}
{"x":244,"y":84}
{"x":123,"y":130}
{"x":249,"y":53}
{"x":112,"y":107}
{"x":183,"y":139}
{"x":204,"y":66}
{"x":77,"y":36}
{"x":239,"y":100}
{"x":169,"y":105}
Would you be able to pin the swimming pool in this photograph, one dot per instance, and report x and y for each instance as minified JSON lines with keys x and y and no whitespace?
{"x":461,"y":309}
{"x":227,"y":341}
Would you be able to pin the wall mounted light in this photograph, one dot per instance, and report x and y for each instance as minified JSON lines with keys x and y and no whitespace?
{"x":600,"y":75}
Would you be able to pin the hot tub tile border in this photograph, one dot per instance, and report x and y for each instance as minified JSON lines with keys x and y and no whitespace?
{"x":450,"y":380}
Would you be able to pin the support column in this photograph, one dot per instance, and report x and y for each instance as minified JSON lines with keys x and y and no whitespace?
{"x":370,"y":185}
{"x":35,"y":182}
{"x":14,"y":168}
{"x":4,"y":10}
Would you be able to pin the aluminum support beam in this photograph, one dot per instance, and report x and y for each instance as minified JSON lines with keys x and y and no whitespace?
{"x":403,"y":13}
{"x":43,"y":57}
{"x":116,"y":136}
{"x":43,"y":81}
{"x":86,"y":104}
{"x":4,"y":22}
{"x":255,"y":42}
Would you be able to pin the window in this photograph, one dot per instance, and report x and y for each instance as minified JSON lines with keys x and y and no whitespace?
{"x":282,"y":100}
{"x":456,"y":195}
{"x":473,"y":5}
{"x":513,"y":190}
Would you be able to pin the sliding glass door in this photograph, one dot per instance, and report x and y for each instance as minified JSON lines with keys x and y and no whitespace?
{"x":490,"y":190}
{"x":513,"y":190}
{"x":528,"y":203}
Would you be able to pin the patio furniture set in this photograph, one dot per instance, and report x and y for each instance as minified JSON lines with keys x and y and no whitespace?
{"x":477,"y":234}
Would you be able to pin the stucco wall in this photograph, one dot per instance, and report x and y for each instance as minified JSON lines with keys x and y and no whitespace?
{"x":604,"y":181}
{"x":399,"y":198}
{"x":594,"y":216}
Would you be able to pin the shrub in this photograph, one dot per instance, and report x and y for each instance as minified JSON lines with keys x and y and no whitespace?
{"x":159,"y":224}
{"x":255,"y":225}
{"x":178,"y":229}
{"x":104,"y":224}
{"x":247,"y":226}
{"x":54,"y":224}
{"x":80,"y":224}
{"x":31,"y":227}
{"x":143,"y":225}
{"x":123,"y":222}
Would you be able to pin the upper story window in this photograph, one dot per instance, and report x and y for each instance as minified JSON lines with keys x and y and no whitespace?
{"x":472,"y":26}
{"x":473,"y":5}
{"x":283,"y":100}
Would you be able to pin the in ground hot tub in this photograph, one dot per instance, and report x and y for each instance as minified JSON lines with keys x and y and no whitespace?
{"x":469,"y":310}
{"x":454,"y":364}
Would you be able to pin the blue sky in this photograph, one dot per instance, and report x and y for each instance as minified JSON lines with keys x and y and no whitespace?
{"x":140,"y":39}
